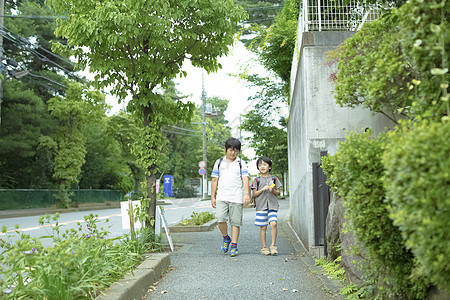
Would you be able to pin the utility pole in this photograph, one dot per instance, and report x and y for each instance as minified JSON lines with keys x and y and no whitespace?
{"x":2,"y":13}
{"x":205,"y":177}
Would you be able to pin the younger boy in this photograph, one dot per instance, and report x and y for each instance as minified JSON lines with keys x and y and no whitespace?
{"x":229,"y":174}
{"x":266,"y":188}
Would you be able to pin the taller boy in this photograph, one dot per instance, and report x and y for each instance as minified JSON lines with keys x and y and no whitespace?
{"x":230,"y":176}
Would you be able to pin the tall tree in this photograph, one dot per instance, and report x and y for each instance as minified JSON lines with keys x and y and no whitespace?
{"x":185,"y":146}
{"x":138,"y":46}
{"x":68,"y":145}
{"x":125,"y":129}
{"x":266,"y":123}
{"x":24,"y":120}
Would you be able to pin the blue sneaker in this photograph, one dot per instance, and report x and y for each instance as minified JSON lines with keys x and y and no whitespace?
{"x":226,"y":245}
{"x":234,"y":252}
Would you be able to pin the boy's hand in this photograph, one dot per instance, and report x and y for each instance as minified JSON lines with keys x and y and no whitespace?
{"x":246,"y":199}
{"x":213,"y":202}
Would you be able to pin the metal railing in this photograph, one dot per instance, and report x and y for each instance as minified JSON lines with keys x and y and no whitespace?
{"x":337,"y":15}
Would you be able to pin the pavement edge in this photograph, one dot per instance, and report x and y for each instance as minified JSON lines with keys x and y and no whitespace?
{"x":332,"y":285}
{"x":135,"y":284}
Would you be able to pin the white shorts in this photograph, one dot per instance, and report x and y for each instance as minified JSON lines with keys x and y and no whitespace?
{"x":264,"y":217}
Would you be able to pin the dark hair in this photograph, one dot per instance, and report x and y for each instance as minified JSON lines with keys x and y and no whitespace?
{"x":266,"y":160}
{"x":233,"y":144}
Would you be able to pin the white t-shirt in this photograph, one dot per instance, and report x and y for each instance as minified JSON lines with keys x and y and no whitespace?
{"x":229,"y":186}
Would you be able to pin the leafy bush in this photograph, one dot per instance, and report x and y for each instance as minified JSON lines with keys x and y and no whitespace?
{"x":425,"y":44}
{"x":417,"y":183}
{"x":117,"y":181}
{"x":80,"y":263}
{"x":355,"y":172}
{"x":372,"y":71}
{"x":185,"y":192}
{"x":199,"y":218}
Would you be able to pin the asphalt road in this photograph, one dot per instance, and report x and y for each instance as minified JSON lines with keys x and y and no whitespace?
{"x":176,"y":211}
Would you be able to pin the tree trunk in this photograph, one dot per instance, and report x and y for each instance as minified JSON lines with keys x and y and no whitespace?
{"x":150,"y":176}
{"x":135,"y":173}
{"x":151,"y":192}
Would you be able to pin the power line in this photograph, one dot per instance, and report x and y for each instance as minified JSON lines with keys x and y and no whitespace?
{"x":50,"y":9}
{"x":19,"y":40}
{"x":55,"y":82}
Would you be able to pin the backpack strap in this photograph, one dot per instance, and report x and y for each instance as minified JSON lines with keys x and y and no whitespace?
{"x":258,"y":179}
{"x":240,"y":166}
{"x":218,"y":165}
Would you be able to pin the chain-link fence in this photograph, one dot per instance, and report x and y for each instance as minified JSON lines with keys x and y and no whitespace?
{"x":336,"y":15}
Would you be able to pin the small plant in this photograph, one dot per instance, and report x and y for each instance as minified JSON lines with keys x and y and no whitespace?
{"x":198,"y":218}
{"x":79,"y":264}
{"x":334,"y":270}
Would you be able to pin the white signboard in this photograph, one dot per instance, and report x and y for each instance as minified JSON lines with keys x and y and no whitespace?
{"x":125,"y":214}
{"x":161,"y":222}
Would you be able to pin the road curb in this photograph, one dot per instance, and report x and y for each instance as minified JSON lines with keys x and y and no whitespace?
{"x":194,"y":228}
{"x":136,"y":284}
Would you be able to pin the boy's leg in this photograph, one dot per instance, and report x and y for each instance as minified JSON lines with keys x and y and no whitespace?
{"x":273,"y":231}
{"x":262,"y":235}
{"x":261,"y":221}
{"x":223,"y":227}
{"x":236,"y":215}
{"x":222,"y":211}
{"x":235,"y":231}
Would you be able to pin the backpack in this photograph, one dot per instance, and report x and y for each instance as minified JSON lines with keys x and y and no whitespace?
{"x":258,"y":180}
{"x":220,"y":161}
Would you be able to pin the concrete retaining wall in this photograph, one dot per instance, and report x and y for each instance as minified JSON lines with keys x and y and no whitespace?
{"x":317,"y":123}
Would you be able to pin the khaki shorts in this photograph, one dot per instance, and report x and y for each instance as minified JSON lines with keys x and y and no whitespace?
{"x":229,"y":210}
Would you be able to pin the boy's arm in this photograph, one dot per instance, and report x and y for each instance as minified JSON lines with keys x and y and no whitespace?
{"x":246,"y":190}
{"x":276,"y":192}
{"x":213,"y":191}
{"x":257,"y":193}
{"x":276,"y":189}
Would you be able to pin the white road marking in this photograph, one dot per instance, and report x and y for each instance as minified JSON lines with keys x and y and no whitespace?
{"x":64,"y":223}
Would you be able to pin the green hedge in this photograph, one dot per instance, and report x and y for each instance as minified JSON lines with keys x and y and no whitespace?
{"x":27,"y":198}
{"x":418,"y":185}
{"x":356,"y":173}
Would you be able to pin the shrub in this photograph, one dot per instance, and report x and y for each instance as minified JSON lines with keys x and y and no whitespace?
{"x":198,"y":218}
{"x":185,"y":192}
{"x":417,"y":183}
{"x":355,"y":172}
{"x":79,"y":263}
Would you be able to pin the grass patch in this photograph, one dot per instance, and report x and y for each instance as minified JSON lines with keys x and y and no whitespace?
{"x":198,"y":218}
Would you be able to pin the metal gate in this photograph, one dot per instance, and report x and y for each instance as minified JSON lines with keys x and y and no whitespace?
{"x":321,"y":198}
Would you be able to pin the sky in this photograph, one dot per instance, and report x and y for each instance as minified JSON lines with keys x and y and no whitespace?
{"x":222,"y":85}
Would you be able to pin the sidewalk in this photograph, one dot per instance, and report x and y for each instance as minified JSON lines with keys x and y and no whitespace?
{"x":200,"y":271}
